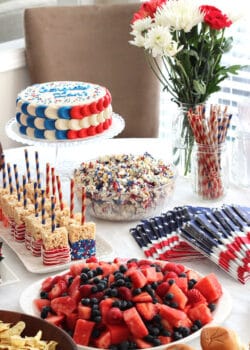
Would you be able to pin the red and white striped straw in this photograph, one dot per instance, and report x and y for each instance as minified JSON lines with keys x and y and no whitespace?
{"x":60,"y":196}
{"x":72,"y":197}
{"x":53,"y":181}
{"x":83,"y":206}
{"x":38,"y":175}
{"x":53,"y":214}
{"x":47,"y":179}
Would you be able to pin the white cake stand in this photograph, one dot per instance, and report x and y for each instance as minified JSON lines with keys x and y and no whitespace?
{"x":58,"y":146}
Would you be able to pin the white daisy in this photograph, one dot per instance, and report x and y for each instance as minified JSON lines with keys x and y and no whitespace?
{"x":139,"y":30}
{"x":179,"y":14}
{"x":159,"y":42}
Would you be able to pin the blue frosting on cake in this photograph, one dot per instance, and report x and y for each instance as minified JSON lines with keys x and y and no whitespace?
{"x":30,"y":121}
{"x":61,"y":134}
{"x":24,"y":107}
{"x":23,"y":129}
{"x":18,"y":117}
{"x":39,"y":134}
{"x":49,"y":124}
{"x":40,"y":111}
{"x":64,"y":112}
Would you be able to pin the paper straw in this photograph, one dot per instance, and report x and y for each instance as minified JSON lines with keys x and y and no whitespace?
{"x":24,"y":192}
{"x":35,"y":199}
{"x":53,"y":180}
{"x":17,"y":183}
{"x":47,"y":179}
{"x":37,"y":170}
{"x":4,"y":171}
{"x":209,"y":133}
{"x":72,"y":194}
{"x":83,"y":206}
{"x":10,"y":178}
{"x":53,"y":214}
{"x":43,"y":207}
{"x":27,"y":165}
{"x":59,"y":188}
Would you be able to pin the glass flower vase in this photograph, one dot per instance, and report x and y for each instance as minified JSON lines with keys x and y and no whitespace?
{"x":182,"y":140}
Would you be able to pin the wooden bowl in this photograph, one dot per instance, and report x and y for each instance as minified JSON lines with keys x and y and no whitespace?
{"x":34,"y":324}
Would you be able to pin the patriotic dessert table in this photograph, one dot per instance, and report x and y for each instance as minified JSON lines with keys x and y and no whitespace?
{"x":122,"y":238}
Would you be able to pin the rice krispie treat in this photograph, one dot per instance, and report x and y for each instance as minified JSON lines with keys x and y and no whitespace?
{"x":82,"y":240}
{"x":55,"y":247}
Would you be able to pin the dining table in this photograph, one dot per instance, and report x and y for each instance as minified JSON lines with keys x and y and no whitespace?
{"x":115,"y":239}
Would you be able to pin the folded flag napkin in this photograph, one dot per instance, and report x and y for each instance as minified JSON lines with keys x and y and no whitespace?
{"x":188,"y":232}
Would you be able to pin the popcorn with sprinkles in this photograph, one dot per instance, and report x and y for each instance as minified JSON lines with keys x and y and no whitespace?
{"x":125,"y":186}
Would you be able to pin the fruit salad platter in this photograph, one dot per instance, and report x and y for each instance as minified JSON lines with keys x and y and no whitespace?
{"x":128,"y":303}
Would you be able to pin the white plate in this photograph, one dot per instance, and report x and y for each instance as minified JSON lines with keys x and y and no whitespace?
{"x":222,"y":311}
{"x":12,"y":130}
{"x":35,"y":264}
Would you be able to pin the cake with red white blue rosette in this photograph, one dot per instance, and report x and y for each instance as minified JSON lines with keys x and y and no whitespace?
{"x":63,"y":110}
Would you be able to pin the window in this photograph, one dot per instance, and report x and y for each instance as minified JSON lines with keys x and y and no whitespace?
{"x":11,"y":15}
{"x":234,"y":90}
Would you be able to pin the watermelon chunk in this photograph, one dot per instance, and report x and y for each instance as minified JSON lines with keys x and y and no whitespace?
{"x":210,"y":287}
{"x":146,"y":310}
{"x":118,"y":333}
{"x":174,"y":317}
{"x":178,"y":296}
{"x":200,"y":312}
{"x":83,"y":330}
{"x":135,"y":323}
{"x":104,"y":340}
{"x":63,"y":305}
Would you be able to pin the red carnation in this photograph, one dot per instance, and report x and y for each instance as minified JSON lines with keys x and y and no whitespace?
{"x":148,"y":9}
{"x":215,"y":18}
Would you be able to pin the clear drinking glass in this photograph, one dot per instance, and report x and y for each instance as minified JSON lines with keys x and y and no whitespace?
{"x":210,"y":168}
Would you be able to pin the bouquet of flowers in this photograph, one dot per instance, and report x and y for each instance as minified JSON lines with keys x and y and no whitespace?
{"x":184,"y":43}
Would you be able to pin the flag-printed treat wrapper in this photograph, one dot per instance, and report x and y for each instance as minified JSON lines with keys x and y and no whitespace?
{"x":159,"y":237}
{"x":187,"y":232}
{"x":223,"y":235}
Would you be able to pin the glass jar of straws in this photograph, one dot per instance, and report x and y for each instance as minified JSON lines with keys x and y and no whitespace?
{"x":210,"y":157}
{"x":210,"y":170}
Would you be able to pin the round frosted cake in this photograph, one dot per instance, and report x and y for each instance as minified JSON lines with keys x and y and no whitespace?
{"x":63,"y":110}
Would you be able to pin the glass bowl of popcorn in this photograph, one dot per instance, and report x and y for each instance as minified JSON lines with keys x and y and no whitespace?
{"x":125,"y":187}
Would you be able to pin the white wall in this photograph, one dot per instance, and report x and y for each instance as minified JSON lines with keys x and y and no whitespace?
{"x":11,"y":82}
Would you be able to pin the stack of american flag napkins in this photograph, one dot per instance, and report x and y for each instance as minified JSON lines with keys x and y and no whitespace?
{"x":188,"y":232}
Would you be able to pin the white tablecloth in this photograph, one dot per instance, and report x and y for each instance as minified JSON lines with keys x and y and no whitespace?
{"x":117,"y":233}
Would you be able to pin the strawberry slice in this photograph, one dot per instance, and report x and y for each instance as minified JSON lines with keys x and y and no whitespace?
{"x":47,"y":284}
{"x":194,"y":297}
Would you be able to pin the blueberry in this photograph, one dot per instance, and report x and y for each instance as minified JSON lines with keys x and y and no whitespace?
{"x":44,"y":295}
{"x":123,"y":268}
{"x":212,"y":306}
{"x":45,"y":311}
{"x":191,"y":283}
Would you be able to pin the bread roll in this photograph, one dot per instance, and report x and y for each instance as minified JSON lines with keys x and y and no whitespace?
{"x":219,"y":338}
{"x":180,"y":347}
